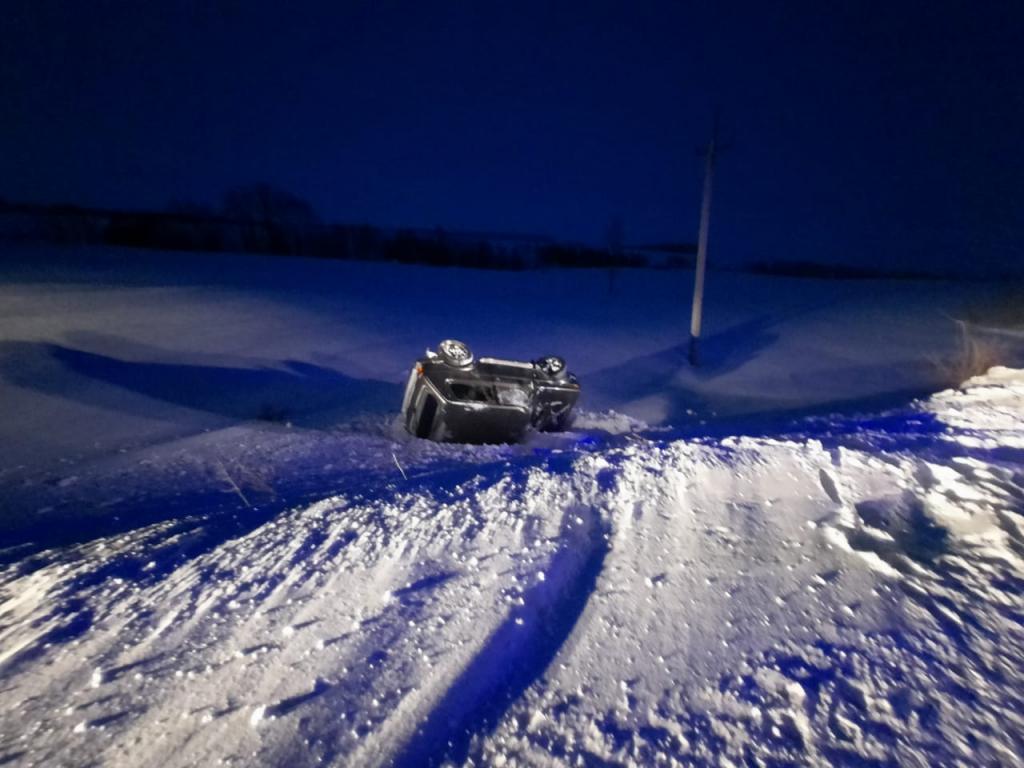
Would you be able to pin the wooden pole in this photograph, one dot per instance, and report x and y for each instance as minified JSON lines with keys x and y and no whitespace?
{"x":696,"y":315}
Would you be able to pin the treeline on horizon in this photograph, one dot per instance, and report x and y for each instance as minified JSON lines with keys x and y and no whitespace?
{"x":261,"y":218}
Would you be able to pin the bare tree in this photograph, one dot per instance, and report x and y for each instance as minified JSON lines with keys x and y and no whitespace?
{"x":284,"y":219}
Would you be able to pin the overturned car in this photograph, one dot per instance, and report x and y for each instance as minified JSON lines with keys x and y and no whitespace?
{"x":451,"y":396}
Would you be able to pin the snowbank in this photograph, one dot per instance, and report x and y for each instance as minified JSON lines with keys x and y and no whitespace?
{"x":743,"y":599}
{"x":220,"y":549}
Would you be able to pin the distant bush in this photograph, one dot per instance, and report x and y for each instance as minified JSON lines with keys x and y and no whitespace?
{"x":677,"y":261}
{"x":176,"y":232}
{"x":564,"y":255}
{"x":832,"y":271}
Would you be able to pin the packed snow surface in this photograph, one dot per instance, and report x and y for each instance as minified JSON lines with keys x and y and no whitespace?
{"x":205,"y":588}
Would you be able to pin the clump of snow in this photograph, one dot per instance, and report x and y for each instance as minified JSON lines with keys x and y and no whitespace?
{"x":608,"y":421}
{"x":985,"y":409}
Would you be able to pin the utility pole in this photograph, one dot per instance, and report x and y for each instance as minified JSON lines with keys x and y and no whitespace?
{"x":702,"y":249}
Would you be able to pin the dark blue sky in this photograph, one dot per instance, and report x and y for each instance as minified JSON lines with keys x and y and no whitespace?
{"x":878,"y":133}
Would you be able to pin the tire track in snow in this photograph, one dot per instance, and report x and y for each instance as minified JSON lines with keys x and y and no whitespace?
{"x":519,"y":651}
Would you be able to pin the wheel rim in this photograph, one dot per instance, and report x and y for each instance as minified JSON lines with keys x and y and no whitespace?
{"x":455,"y":353}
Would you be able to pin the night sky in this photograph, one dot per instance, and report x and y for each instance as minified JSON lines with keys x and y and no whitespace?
{"x":860,"y":132}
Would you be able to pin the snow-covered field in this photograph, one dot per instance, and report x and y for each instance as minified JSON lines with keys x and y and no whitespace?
{"x":219,"y":549}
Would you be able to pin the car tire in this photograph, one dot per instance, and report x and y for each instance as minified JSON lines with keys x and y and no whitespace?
{"x":455,"y":353}
{"x":552,"y":366}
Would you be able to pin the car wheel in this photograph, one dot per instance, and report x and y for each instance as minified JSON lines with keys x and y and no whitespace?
{"x":552,"y":366}
{"x":455,"y":353}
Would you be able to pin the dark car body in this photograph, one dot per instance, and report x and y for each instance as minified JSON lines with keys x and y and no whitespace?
{"x":452,"y":397}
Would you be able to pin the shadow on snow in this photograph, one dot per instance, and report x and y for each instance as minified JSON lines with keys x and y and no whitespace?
{"x":287,"y":390}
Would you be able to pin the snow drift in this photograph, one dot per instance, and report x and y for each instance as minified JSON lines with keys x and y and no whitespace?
{"x":804,"y":598}
{"x":219,"y":549}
